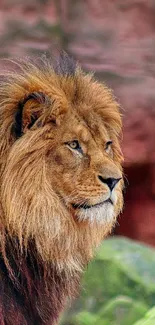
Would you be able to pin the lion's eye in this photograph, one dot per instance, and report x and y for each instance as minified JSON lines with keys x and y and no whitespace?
{"x":74,"y":145}
{"x":108,"y":145}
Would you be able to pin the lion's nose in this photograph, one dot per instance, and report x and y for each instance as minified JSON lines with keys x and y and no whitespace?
{"x":110,"y":181}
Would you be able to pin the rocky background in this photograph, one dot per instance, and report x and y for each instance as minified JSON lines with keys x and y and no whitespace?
{"x":116,"y":39}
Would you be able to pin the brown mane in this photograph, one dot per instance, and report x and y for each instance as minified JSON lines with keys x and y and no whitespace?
{"x":44,"y":245}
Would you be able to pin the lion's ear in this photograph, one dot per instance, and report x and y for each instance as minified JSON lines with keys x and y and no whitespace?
{"x":29,"y":111}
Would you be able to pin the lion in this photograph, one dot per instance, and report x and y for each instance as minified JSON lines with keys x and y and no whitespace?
{"x":61,"y":183}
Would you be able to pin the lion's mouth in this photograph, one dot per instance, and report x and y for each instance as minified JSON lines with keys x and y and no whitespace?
{"x":89,"y":206}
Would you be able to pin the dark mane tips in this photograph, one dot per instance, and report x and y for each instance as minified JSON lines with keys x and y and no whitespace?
{"x":38,"y":96}
{"x":65,"y":65}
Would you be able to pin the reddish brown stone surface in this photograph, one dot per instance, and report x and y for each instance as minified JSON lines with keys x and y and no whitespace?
{"x":117,"y":40}
{"x":28,"y":27}
{"x":139,"y":211}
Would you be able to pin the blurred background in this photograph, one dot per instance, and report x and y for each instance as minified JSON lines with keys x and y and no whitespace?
{"x":116,"y":40}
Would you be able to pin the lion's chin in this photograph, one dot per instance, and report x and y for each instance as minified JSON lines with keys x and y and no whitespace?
{"x":102,"y":214}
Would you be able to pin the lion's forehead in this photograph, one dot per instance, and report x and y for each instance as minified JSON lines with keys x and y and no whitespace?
{"x":89,"y":128}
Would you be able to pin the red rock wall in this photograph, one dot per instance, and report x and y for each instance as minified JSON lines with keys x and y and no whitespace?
{"x":117,"y":40}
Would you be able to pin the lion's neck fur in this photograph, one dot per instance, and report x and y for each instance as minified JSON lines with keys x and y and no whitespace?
{"x":31,"y":291}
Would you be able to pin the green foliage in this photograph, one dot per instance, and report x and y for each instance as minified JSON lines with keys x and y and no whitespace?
{"x":83,"y":318}
{"x":149,"y":318}
{"x":118,"y":287}
{"x":120,"y":311}
{"x":121,"y":267}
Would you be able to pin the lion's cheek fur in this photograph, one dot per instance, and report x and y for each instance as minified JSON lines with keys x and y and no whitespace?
{"x":32,"y":210}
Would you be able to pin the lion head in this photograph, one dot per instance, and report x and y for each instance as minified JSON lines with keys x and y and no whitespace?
{"x":61,"y":175}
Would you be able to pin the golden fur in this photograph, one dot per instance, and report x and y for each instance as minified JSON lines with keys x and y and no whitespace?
{"x":41,"y":177}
